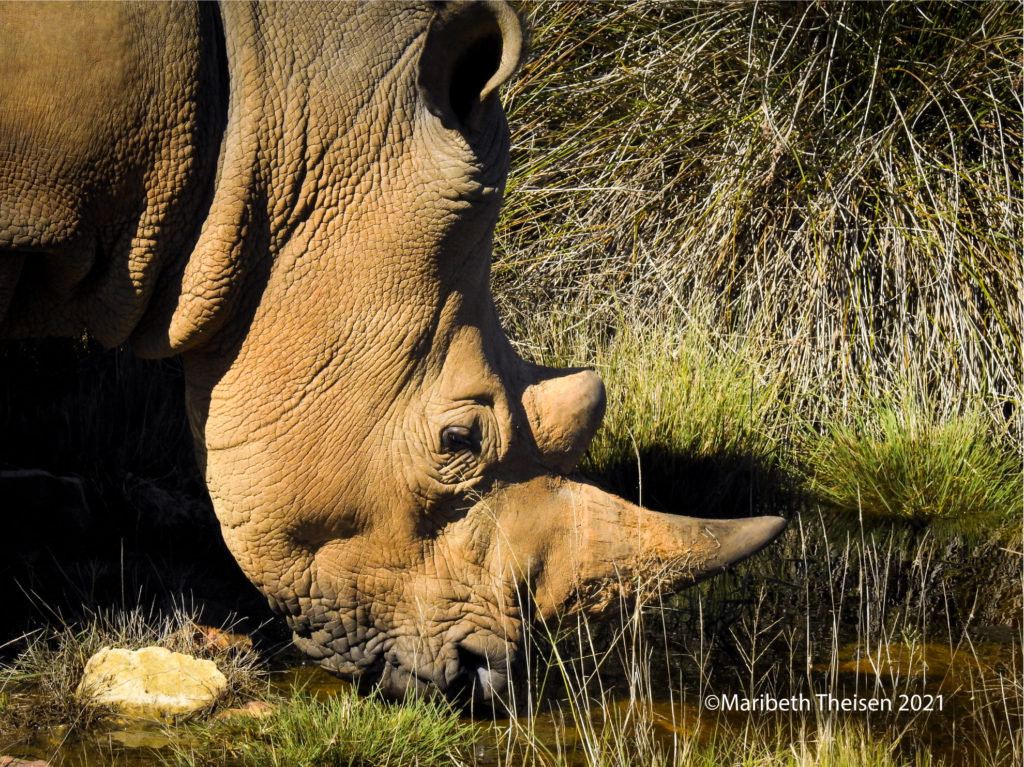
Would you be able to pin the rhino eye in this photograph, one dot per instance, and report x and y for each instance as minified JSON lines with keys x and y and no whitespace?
{"x":455,"y":439}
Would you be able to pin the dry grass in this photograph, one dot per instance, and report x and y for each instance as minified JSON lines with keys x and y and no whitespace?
{"x":838,"y":182}
{"x":697,"y":420}
{"x":790,"y":245}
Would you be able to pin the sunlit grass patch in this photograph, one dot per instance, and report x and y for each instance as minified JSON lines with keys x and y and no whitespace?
{"x":905,"y":462}
{"x":696,"y":418}
{"x":842,"y":745}
{"x":343,"y":729}
{"x":700,"y":421}
{"x":686,"y":388}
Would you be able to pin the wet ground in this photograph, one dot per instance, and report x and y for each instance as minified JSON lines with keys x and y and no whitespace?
{"x":958,"y":704}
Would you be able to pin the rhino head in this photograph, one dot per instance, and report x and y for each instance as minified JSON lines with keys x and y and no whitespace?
{"x":388,"y":471}
{"x":384,"y":466}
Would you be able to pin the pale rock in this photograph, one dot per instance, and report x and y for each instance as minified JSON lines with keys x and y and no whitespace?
{"x":153,"y":682}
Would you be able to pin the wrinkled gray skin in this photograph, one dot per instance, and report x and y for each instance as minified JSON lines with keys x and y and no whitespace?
{"x":299,"y":199}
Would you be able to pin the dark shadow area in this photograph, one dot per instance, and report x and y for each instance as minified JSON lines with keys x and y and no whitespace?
{"x":102,"y":502}
{"x":721,"y":486}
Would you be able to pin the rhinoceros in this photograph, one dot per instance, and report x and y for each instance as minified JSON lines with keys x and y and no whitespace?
{"x":299,"y":199}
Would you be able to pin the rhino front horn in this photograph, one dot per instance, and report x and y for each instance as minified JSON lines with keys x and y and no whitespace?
{"x":604,"y":548}
{"x":736,"y":539}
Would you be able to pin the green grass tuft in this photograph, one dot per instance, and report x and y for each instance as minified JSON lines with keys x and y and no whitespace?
{"x":344,"y":729}
{"x":696,"y":417}
{"x":902,"y":462}
{"x":842,"y":745}
{"x":700,"y":421}
{"x":689,"y":390}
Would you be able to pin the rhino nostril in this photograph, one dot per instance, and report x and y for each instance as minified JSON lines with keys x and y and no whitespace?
{"x":470,"y":661}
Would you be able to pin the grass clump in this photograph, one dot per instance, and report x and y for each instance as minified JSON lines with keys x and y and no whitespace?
{"x":684,"y":386}
{"x":799,"y":215}
{"x":843,"y":745}
{"x":343,"y":729}
{"x":904,"y":462}
{"x":701,"y":411}
{"x":700,"y":421}
{"x":839,"y":745}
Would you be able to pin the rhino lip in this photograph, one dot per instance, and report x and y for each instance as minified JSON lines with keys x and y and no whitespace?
{"x":482,"y":683}
{"x":399,"y":682}
{"x":477,"y":683}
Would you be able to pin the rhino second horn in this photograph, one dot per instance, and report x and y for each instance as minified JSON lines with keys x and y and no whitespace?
{"x":564,"y":413}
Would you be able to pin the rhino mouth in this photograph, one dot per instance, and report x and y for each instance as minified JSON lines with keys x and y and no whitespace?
{"x":471,"y":681}
{"x":482,"y":682}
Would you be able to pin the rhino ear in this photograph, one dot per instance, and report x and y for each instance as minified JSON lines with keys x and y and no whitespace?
{"x":470,"y":50}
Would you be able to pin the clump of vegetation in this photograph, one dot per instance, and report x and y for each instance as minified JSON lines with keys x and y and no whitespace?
{"x":903,"y":462}
{"x":843,"y":745}
{"x":343,"y":729}
{"x":700,"y":421}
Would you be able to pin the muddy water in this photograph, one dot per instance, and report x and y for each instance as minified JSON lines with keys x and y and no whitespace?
{"x":125,"y":745}
{"x":951,"y":700}
{"x":958,"y":705}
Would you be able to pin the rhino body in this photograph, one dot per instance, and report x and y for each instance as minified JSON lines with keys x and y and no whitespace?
{"x":299,"y":200}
